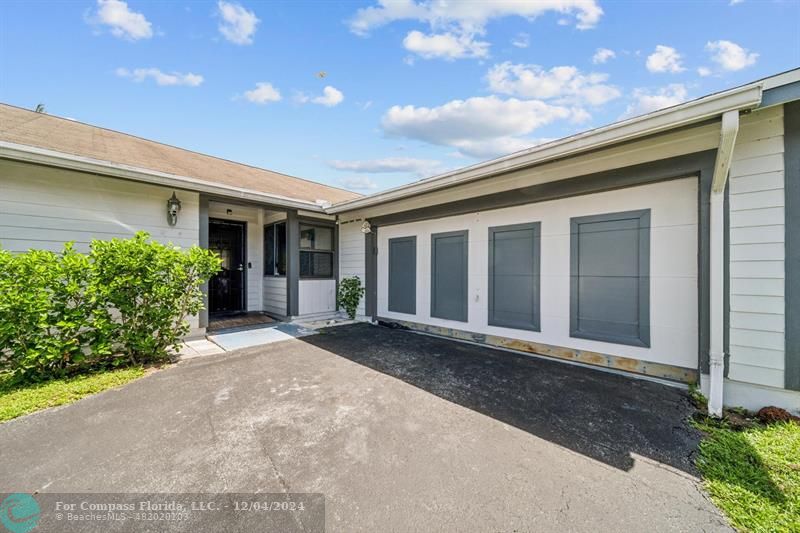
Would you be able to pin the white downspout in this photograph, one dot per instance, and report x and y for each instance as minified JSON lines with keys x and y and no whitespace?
{"x":727,"y":140}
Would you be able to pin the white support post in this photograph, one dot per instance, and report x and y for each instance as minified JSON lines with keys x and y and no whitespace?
{"x":716,"y":355}
{"x":716,"y":349}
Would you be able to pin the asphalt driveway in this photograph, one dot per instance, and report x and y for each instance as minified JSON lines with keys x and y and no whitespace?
{"x":399,"y":432}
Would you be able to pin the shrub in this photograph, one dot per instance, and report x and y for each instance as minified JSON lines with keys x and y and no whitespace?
{"x":152,"y":287}
{"x":349,"y":294}
{"x":50,"y":319}
{"x":69,"y":312}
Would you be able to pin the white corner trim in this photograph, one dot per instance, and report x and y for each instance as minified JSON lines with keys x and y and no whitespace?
{"x":41,"y":156}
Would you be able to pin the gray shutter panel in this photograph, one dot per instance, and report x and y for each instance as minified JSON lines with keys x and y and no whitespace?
{"x":514,"y":276}
{"x":403,"y":275}
{"x":449,"y":276}
{"x":610,"y":278}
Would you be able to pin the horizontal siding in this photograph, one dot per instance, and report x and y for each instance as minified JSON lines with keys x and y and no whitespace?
{"x":275,"y":295}
{"x":757,"y":234}
{"x":766,"y":181}
{"x":274,"y":287}
{"x":756,"y":217}
{"x":351,"y":255}
{"x":757,"y":321}
{"x":757,"y":373}
{"x":757,"y":250}
{"x":757,"y":304}
{"x":43,"y":207}
{"x":757,"y":287}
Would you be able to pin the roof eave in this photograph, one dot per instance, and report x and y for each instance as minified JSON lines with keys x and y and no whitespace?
{"x":699,"y":110}
{"x":42,"y":156}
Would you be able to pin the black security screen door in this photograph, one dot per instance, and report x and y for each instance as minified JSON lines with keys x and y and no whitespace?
{"x":226,"y":289}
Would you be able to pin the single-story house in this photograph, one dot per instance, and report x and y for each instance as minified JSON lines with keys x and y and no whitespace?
{"x":666,"y":245}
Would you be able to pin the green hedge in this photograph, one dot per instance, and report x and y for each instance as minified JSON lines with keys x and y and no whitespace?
{"x":125,"y":302}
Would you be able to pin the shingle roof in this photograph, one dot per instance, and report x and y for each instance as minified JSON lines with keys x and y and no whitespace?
{"x":41,"y":130}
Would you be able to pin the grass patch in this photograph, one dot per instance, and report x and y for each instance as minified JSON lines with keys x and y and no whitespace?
{"x":753,"y":475}
{"x":17,"y":400}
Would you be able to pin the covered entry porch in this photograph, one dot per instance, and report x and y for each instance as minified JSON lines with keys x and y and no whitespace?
{"x":278,"y":263}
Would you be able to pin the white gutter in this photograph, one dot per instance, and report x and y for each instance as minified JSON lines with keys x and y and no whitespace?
{"x":716,"y":355}
{"x":705,"y":108}
{"x":41,"y":156}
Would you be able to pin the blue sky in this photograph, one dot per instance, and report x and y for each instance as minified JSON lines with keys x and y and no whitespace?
{"x":410,"y":89}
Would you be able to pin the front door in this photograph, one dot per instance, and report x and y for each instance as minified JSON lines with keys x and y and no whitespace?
{"x":226,"y":289}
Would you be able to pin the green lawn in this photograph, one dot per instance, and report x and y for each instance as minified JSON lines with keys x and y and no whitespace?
{"x":18,"y":400}
{"x":753,"y":475}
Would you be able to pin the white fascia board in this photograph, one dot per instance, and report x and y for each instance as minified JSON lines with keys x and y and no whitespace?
{"x":41,"y":156}
{"x":705,"y":108}
{"x":785,"y":78}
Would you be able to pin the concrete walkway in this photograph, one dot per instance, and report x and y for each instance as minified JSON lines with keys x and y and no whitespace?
{"x":399,"y":431}
{"x":246,"y":338}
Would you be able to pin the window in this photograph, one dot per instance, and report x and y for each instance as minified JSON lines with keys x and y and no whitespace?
{"x":275,"y":249}
{"x":610,"y":278}
{"x":403,"y":275}
{"x":316,"y":251}
{"x":449,"y":275}
{"x":514,"y":276}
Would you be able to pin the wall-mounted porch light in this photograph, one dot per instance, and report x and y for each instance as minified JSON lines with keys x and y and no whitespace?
{"x":366,"y":227}
{"x":173,"y":208}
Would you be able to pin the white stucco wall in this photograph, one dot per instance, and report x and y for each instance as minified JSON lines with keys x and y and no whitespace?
{"x":673,"y":268}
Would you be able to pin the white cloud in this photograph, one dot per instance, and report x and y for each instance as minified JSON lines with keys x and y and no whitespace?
{"x":161,"y":78}
{"x":646,"y":101}
{"x":331,"y":96}
{"x":567,"y":85}
{"x":469,"y":15}
{"x":386,"y":165}
{"x":602,"y":55}
{"x":123,"y":22}
{"x":730,"y":56}
{"x":487,"y":149}
{"x":238,"y":24}
{"x":703,"y":71}
{"x":358,"y":183}
{"x":579,"y":115}
{"x":479,"y":126}
{"x":522,"y":40}
{"x":447,"y":46}
{"x":455,"y":25}
{"x":664,"y":59}
{"x":734,"y":2}
{"x":263,"y":93}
